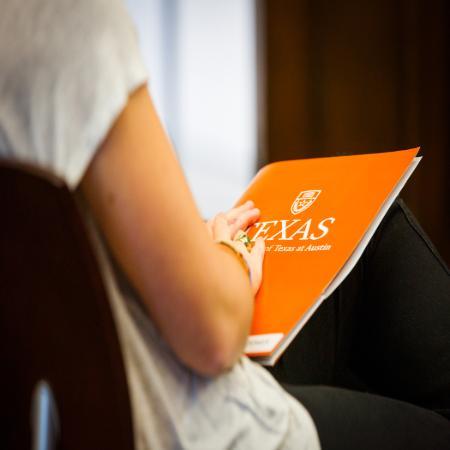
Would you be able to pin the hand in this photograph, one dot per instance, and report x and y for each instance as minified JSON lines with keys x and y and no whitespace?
{"x":225,"y":226}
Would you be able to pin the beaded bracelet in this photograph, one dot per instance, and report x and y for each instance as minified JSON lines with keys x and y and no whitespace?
{"x":240,"y":256}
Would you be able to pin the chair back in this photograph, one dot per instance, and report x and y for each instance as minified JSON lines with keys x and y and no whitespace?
{"x":56,"y":323}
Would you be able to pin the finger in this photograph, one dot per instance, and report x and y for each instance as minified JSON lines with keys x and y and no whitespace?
{"x":259,"y":248}
{"x":240,"y":247}
{"x":235,"y":212}
{"x":245,"y":220}
{"x":257,"y":260}
{"x":220,"y":229}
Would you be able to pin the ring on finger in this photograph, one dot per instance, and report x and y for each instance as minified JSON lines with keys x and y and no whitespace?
{"x":243,"y":237}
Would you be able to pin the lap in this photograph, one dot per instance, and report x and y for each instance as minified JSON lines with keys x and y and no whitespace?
{"x":385,"y":335}
{"x":386,"y":329}
{"x":348,"y":420}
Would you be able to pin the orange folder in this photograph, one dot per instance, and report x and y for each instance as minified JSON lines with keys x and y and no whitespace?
{"x":317,"y":216}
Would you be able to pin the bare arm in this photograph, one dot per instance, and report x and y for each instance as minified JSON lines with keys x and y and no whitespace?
{"x":196,"y":291}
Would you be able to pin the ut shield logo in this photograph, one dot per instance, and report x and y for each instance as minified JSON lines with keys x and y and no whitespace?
{"x":304,"y":200}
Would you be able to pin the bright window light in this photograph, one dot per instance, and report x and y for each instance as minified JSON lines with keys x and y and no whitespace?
{"x":201,"y":59}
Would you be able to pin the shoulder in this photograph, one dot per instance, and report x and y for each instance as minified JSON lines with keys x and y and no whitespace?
{"x":48,"y":33}
{"x":67,"y":69}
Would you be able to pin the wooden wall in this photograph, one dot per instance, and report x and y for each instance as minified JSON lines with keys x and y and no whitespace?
{"x":357,"y":77}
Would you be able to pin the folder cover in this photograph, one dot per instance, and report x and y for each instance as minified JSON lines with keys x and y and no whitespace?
{"x":317,"y":216}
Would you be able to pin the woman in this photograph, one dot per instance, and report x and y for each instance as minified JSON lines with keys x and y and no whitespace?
{"x":73,"y":99}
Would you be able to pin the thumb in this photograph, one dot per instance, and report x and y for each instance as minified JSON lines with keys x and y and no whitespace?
{"x":259,"y":248}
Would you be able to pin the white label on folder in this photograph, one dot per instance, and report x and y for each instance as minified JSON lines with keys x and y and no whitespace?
{"x":260,"y":343}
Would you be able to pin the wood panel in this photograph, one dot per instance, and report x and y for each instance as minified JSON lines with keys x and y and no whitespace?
{"x":357,"y":77}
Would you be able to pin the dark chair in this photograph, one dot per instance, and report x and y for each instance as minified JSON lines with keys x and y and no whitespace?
{"x":56,"y":325}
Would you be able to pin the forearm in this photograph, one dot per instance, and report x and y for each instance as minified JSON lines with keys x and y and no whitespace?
{"x":220,"y":300}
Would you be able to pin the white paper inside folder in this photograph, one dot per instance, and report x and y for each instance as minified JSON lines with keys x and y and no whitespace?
{"x":261,"y":343}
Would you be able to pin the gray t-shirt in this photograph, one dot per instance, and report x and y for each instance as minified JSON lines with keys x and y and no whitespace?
{"x":67,"y":68}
